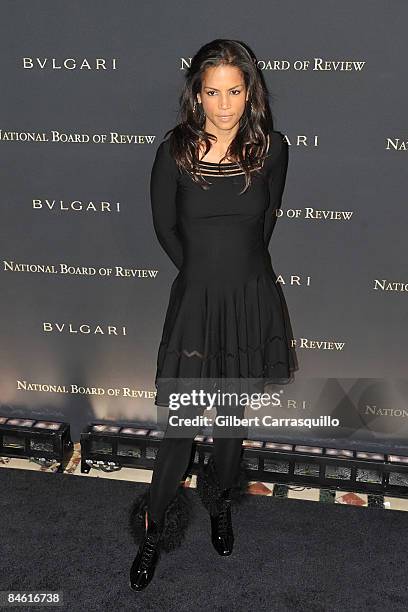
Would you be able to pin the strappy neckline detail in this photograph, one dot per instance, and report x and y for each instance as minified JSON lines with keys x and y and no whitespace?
{"x":208,"y":163}
{"x":222,"y":170}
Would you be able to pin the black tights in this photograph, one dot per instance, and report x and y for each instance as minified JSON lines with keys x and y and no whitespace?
{"x":174,"y":455}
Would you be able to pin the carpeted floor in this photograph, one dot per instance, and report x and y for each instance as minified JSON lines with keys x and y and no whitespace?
{"x":70,"y":534}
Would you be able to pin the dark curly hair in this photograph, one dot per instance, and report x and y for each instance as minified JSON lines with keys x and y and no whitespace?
{"x":249,"y":146}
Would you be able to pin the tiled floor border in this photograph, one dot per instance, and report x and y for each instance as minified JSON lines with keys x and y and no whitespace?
{"x":323,"y":495}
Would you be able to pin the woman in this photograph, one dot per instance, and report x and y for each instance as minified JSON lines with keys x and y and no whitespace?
{"x":216,"y":184}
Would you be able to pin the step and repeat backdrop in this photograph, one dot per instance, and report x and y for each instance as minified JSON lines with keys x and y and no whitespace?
{"x":89,"y":90}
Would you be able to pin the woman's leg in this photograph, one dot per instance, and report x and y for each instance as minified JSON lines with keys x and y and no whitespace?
{"x":159,"y":516}
{"x":170,"y":465}
{"x":172,"y":461}
{"x":227,"y":458}
{"x":222,"y":481}
{"x":228,"y":444}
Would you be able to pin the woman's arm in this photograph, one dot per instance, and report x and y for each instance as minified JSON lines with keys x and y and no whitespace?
{"x":163,"y":188}
{"x":276,"y":181}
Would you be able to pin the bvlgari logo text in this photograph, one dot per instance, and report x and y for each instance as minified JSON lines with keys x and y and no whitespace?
{"x":63,"y":137}
{"x":75,"y":270}
{"x":388,"y":285}
{"x":302,"y":141}
{"x":68,"y":63}
{"x":300,"y":65}
{"x":75,"y":206}
{"x":84,"y":328}
{"x":294,"y":279}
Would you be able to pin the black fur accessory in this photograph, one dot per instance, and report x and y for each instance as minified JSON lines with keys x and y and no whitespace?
{"x":174,"y":524}
{"x":210,"y":492}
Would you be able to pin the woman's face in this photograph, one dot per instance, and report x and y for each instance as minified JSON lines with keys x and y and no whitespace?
{"x":223,"y":96}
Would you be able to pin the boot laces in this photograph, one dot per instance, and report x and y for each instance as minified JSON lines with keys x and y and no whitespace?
{"x":222,"y":518}
{"x":223,"y":521}
{"x":149,"y":548}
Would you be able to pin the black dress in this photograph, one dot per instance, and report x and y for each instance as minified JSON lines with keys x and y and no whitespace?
{"x":227,"y":316}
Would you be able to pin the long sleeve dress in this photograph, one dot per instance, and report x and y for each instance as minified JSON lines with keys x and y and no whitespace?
{"x":226,"y":317}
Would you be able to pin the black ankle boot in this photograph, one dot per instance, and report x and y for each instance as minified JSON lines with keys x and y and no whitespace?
{"x":222,"y":535}
{"x":219,"y":503}
{"x":144,"y":564}
{"x":177,"y":517}
{"x":165,"y":536}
